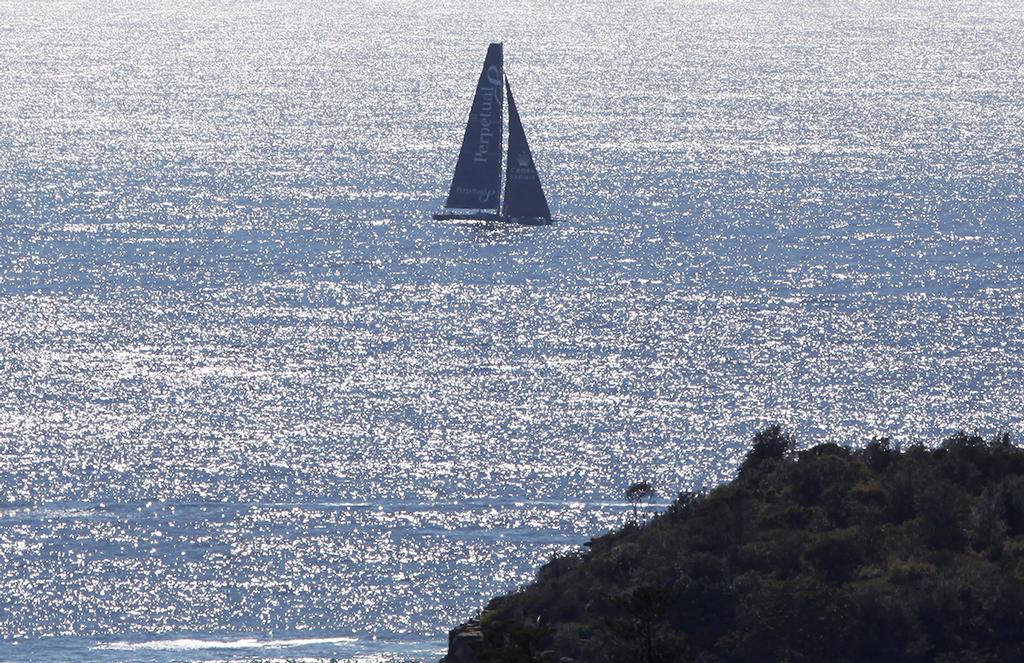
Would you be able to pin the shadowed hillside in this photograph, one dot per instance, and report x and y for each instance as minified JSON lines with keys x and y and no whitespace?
{"x":823,"y":554}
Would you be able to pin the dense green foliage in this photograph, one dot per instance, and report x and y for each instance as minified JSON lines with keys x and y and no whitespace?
{"x":823,"y":554}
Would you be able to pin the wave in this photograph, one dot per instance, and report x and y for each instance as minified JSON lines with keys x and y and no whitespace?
{"x":191,"y":644}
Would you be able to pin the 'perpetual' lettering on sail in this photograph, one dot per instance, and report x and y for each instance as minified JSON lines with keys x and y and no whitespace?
{"x":486,"y":111}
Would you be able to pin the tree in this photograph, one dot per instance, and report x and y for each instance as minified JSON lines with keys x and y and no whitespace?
{"x":638,"y":492}
{"x":769,"y":444}
{"x":645,"y":605}
{"x":527,"y":639}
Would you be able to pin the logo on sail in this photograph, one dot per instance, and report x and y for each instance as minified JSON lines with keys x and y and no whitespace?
{"x":522,"y":170}
{"x":484,"y":195}
{"x":488,"y":100}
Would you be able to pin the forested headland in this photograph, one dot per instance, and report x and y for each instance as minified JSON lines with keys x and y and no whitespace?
{"x":828,"y":553}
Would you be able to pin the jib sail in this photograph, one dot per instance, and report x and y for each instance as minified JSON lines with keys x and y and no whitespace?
{"x":524,"y":196}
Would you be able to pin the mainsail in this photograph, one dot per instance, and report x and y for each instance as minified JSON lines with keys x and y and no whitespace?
{"x":524,"y":197}
{"x":477,"y":180}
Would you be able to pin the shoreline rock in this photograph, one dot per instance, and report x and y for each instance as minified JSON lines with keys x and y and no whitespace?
{"x":464,"y":642}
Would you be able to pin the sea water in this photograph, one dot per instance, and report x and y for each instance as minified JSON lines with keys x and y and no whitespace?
{"x":254,"y":402}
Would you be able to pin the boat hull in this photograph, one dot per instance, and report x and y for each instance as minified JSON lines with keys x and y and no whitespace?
{"x":467,"y":216}
{"x":490,"y":216}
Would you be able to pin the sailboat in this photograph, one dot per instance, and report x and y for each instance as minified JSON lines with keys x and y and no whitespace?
{"x":476,"y":191}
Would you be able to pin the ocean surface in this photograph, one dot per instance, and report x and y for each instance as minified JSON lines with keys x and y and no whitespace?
{"x":254,"y":402}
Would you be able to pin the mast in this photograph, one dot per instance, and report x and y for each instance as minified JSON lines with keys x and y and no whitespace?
{"x":524,"y":195}
{"x":476,"y":183}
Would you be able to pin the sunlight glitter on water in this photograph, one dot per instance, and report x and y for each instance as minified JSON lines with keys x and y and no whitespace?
{"x":252,"y":393}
